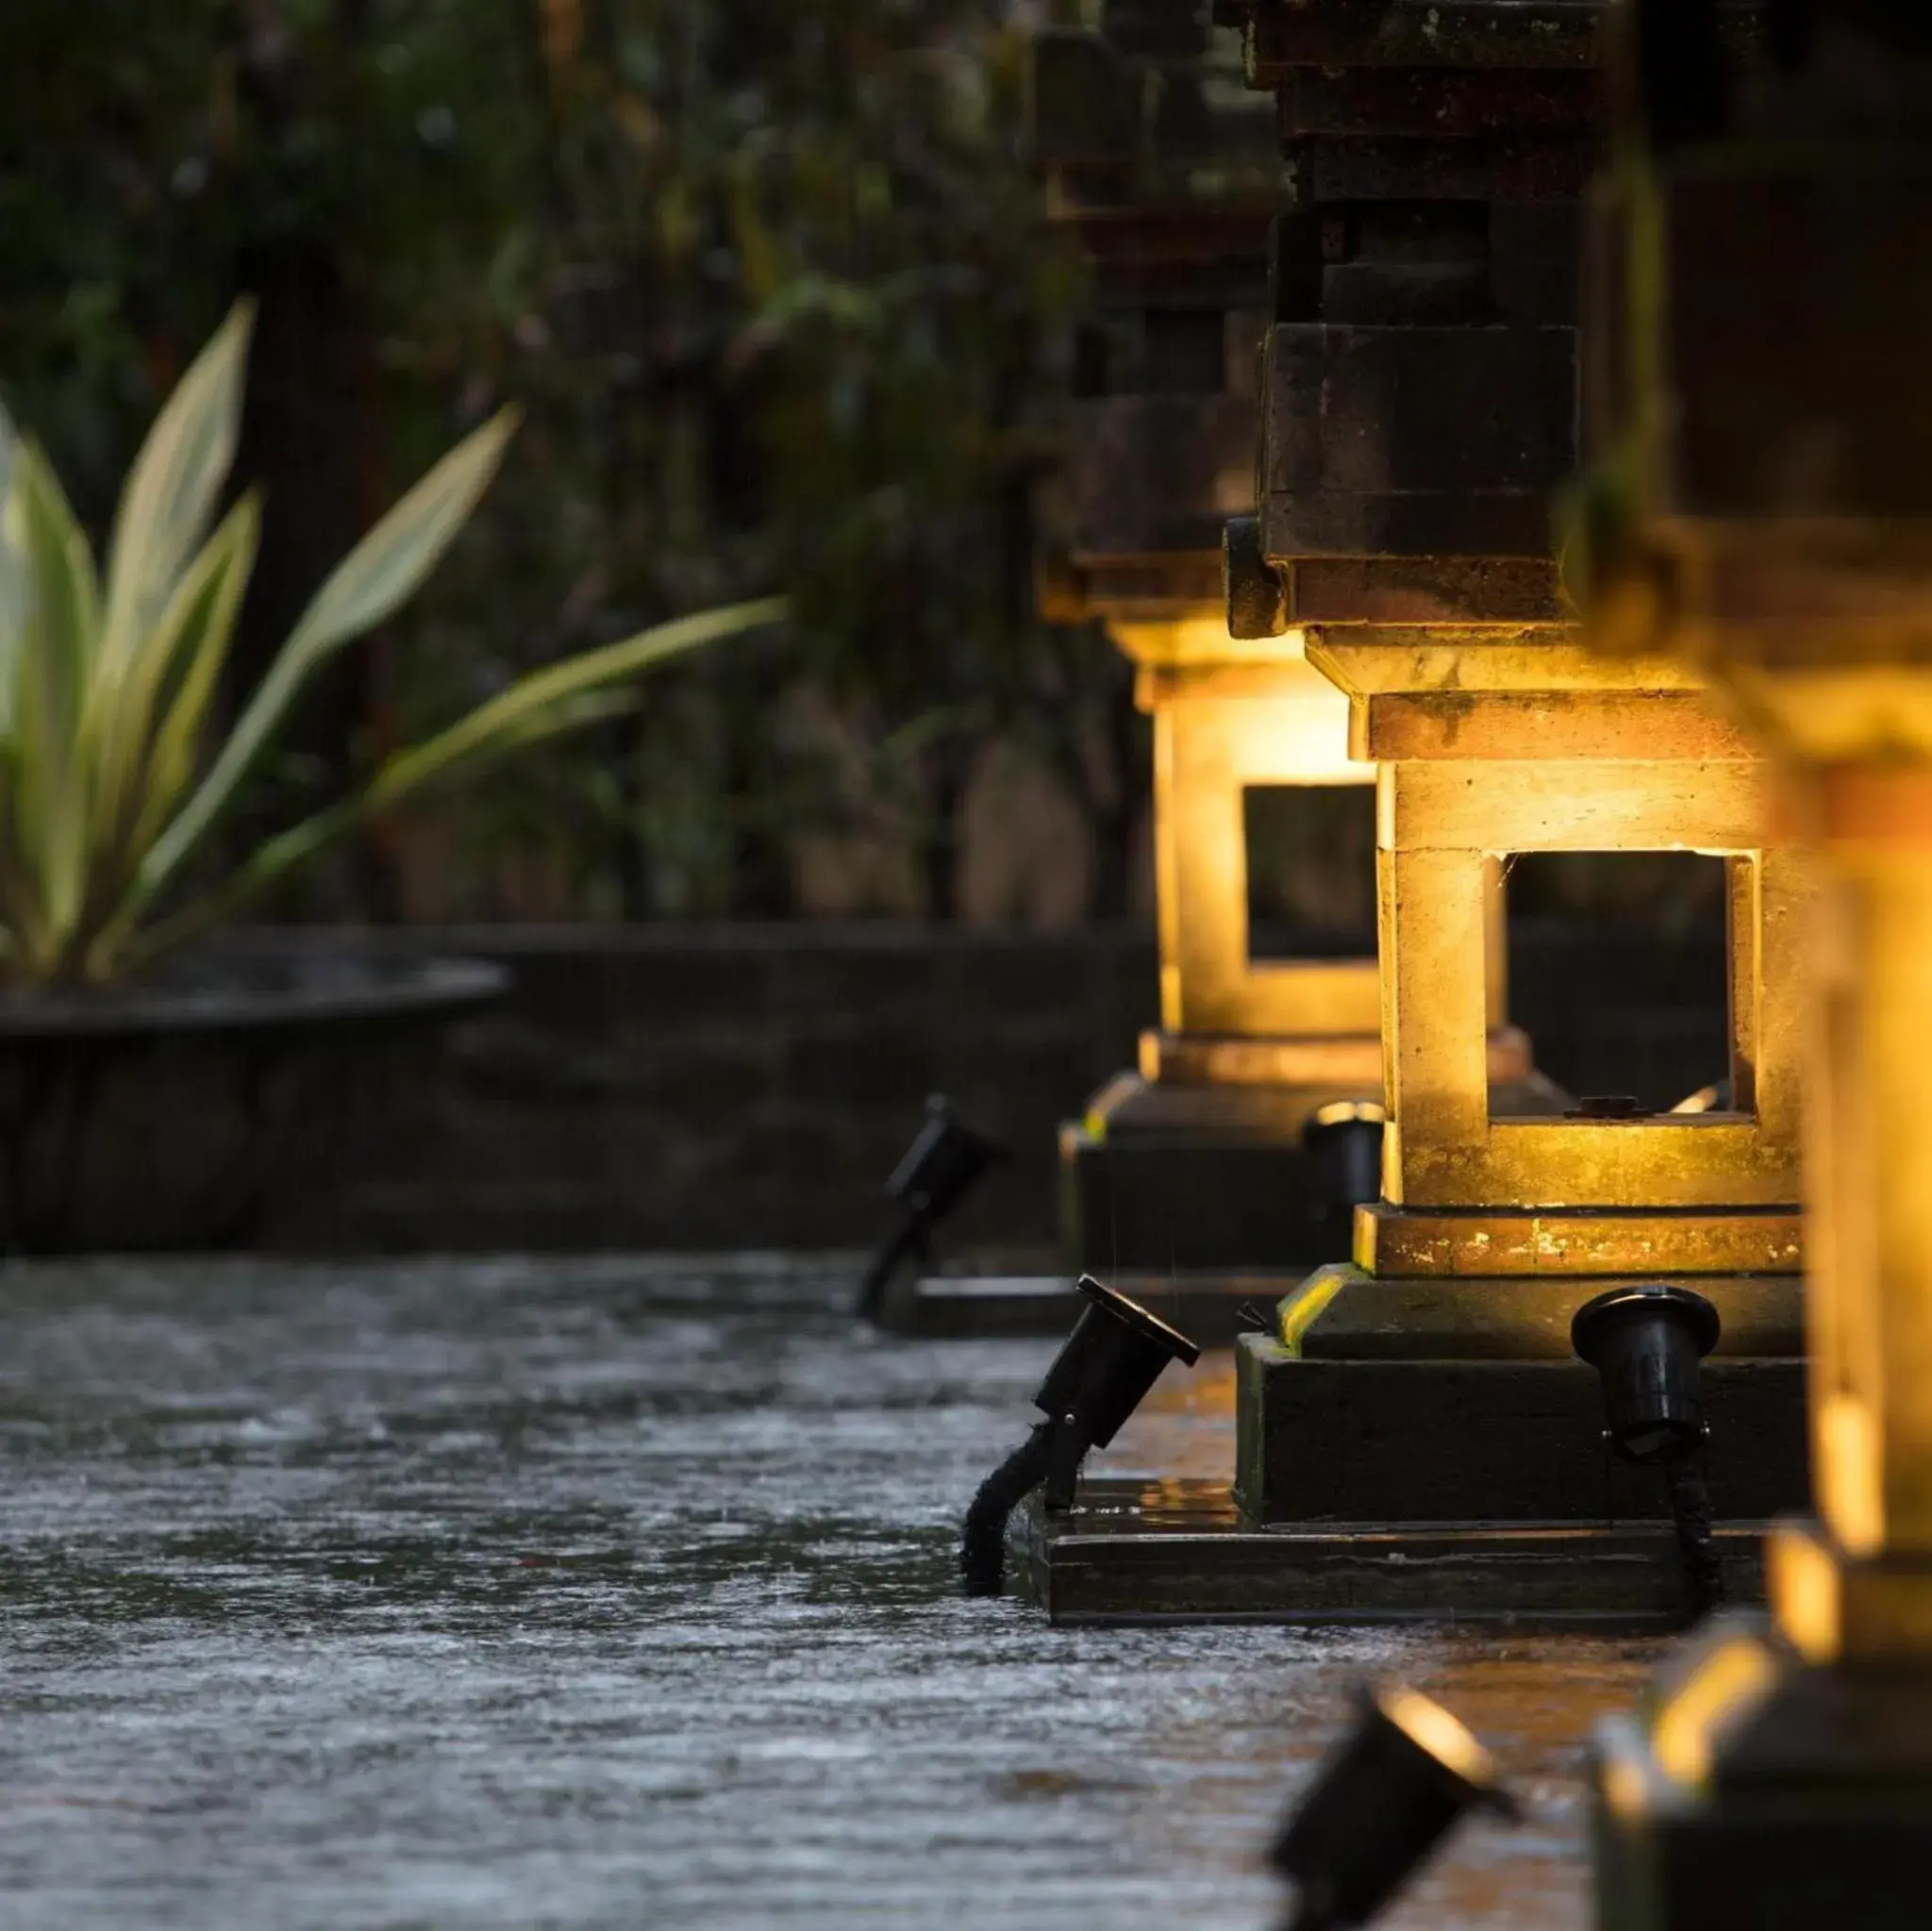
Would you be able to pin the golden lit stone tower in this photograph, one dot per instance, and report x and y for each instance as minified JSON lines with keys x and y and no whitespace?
{"x":1417,"y":1436}
{"x":1185,"y":1178}
{"x":1763,"y":504}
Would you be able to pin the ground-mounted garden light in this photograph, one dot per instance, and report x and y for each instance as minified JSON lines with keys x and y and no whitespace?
{"x":1403,"y":1777}
{"x":1114,"y":1355}
{"x":1646,"y":1342}
{"x":945,"y":1161}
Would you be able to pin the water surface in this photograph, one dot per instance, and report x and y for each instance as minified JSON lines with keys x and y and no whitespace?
{"x":620,"y":1593}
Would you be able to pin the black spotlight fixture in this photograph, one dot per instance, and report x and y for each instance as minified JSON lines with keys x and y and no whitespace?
{"x":1115,"y":1354}
{"x":1645,"y":1343}
{"x":1341,"y":1144}
{"x":940,"y":1166}
{"x":1405,"y":1774}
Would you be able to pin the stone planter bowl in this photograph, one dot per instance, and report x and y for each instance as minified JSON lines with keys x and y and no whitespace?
{"x":183,"y":1114}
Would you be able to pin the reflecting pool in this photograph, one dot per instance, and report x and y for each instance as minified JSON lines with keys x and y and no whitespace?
{"x":620,"y":1593}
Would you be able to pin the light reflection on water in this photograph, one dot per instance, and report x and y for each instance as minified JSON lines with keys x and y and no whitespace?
{"x":620,"y":1593}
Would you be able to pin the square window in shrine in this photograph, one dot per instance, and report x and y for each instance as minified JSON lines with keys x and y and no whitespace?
{"x":1618,"y":968}
{"x":1310,"y":871}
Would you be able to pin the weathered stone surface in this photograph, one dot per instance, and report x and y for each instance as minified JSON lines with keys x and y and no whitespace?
{"x":1132,"y":1552}
{"x":703,"y":1087}
{"x":1416,"y":441}
{"x":1368,"y":1440}
{"x":739,"y":1086}
{"x":1200,"y":1200}
{"x":1357,"y":1316}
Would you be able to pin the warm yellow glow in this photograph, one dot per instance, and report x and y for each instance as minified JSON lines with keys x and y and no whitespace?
{"x":1623,"y":1787}
{"x":1229,"y":716}
{"x":1520,"y":739}
{"x":1332,"y":1059}
{"x":1442,"y":1735}
{"x":1849,"y":1476}
{"x":1286,"y":724}
{"x":1339,"y":1112}
{"x":1734,"y":1677}
{"x":1802,"y":1580}
{"x":1300,"y":1311}
{"x":1703,"y":1101}
{"x":1205,"y":639}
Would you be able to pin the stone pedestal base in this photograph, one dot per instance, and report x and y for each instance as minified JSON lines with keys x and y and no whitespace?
{"x":1194,"y":1164}
{"x":1437,"y":1400}
{"x":1133,"y":1551}
{"x":1429,"y":1450}
{"x":1184,"y":1179}
{"x":1756,"y":1790}
{"x":1185,"y":1185}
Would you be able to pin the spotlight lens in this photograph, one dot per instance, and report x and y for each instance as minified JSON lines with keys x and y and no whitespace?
{"x":1443,"y":1735}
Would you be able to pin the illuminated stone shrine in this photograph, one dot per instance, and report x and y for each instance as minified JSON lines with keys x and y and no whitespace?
{"x":1192,"y":1164}
{"x":1249,"y":1049}
{"x":1187,"y":1178}
{"x":1765,"y":507}
{"x":1446,"y":1343}
{"x":1417,"y":1435}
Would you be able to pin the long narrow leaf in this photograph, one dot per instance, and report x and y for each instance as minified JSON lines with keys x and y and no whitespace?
{"x":63,"y":611}
{"x":172,"y":490}
{"x":529,"y":697}
{"x":146,"y":752}
{"x":20,"y":899}
{"x":56,"y":645}
{"x":140,"y":787}
{"x":13,"y":581}
{"x":560,"y":697}
{"x":291,"y":850}
{"x":375,"y":578}
{"x":213,"y":604}
{"x":385,"y":569}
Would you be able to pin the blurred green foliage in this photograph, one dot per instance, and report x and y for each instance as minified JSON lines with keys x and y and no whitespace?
{"x":768,"y":279}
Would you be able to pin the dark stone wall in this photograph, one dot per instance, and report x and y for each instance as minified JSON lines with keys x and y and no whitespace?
{"x":740,"y":1085}
{"x":745,"y":1085}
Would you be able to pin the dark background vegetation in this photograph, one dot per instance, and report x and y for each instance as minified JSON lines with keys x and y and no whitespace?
{"x":769,"y":281}
{"x":772,"y":286}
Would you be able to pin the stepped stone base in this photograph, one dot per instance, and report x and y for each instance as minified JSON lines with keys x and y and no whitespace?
{"x":1206,"y":1307}
{"x":1133,"y":1551}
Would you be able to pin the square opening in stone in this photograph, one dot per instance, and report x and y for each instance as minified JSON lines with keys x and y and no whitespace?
{"x":1619,"y":972}
{"x":1311,"y":871}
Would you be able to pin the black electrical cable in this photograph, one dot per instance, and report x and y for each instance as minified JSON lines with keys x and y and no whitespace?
{"x":909,"y":1239}
{"x":1694,"y":1520}
{"x":983,"y":1544}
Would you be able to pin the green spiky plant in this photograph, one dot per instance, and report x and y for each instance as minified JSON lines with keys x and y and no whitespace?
{"x":112,"y":778}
